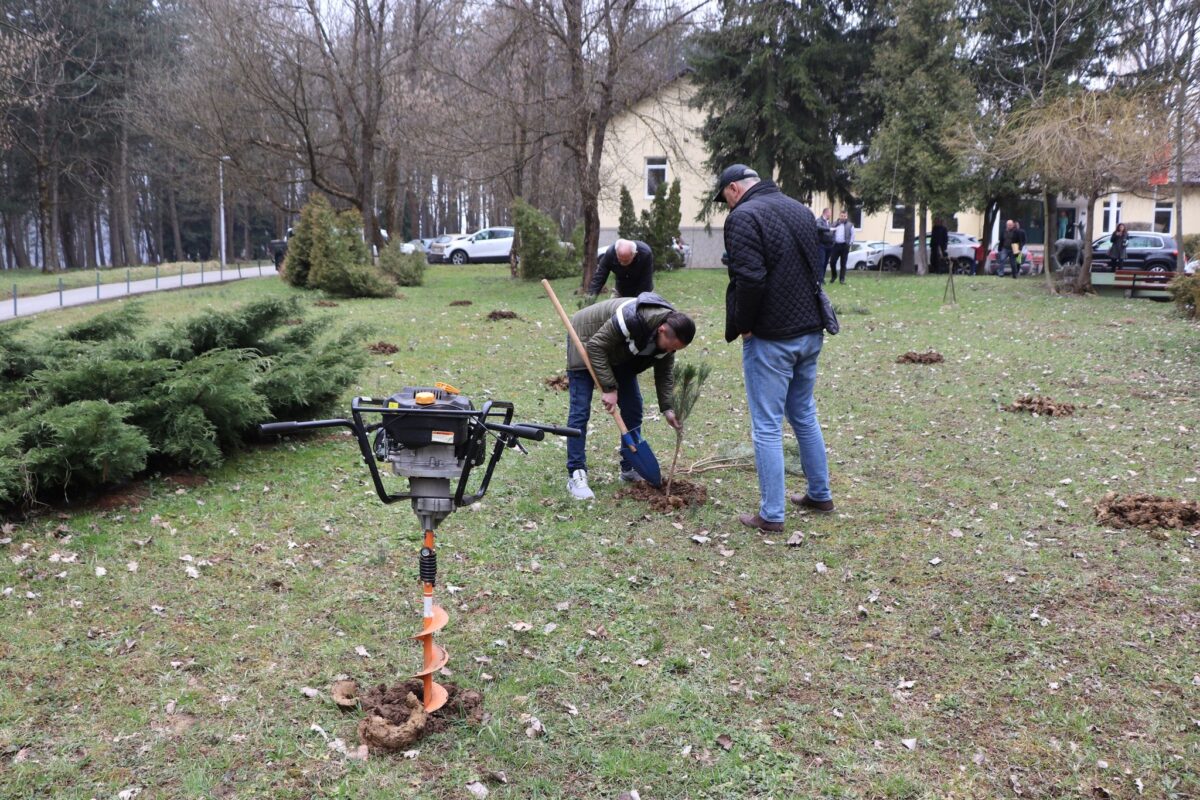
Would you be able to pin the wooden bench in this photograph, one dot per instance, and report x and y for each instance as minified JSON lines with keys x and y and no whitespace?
{"x":1143,"y":283}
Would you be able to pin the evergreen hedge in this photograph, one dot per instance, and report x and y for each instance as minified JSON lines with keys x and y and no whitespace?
{"x":327,"y":252}
{"x":538,"y":250}
{"x":100,"y":403}
{"x":406,"y":269}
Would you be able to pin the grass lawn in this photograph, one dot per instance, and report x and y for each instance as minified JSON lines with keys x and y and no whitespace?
{"x":962,"y":628}
{"x":30,"y":282}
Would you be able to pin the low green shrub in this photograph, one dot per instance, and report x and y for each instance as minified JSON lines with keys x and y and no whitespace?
{"x":1191,"y":245}
{"x":539,"y":253}
{"x":309,"y":241}
{"x":84,"y":445}
{"x":82,"y":413}
{"x":406,"y":269}
{"x":1185,"y":291}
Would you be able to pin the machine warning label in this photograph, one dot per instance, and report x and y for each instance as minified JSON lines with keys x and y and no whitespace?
{"x":443,"y":437}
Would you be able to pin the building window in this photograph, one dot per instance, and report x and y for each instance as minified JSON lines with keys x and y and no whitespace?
{"x":656,"y":173}
{"x":900,"y":215}
{"x":1112,"y":216}
{"x":1164,"y":216}
{"x":854,"y":212}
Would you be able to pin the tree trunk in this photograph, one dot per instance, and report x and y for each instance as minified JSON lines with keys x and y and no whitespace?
{"x":14,"y":240}
{"x":1083,"y":281}
{"x":906,"y":250}
{"x":176,"y":234}
{"x":122,"y":182}
{"x":922,"y":252}
{"x":1049,"y":213}
{"x":1180,"y":105}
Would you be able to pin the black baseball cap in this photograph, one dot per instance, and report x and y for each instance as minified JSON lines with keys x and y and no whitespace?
{"x":731,"y":174}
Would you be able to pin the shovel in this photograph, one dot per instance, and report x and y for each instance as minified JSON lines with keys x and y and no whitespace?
{"x":634,"y":448}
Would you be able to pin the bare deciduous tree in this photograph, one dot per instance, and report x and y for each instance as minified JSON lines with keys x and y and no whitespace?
{"x":1088,"y":143}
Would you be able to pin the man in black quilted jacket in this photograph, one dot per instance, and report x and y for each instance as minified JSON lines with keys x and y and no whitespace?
{"x":771,"y":304}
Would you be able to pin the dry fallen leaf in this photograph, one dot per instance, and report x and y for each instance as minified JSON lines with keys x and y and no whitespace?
{"x":911,"y":744}
{"x":821,"y":568}
{"x":796,"y":539}
{"x":309,"y":692}
{"x":477,"y":789}
{"x":362,"y":651}
{"x":725,"y":742}
{"x":520,"y":627}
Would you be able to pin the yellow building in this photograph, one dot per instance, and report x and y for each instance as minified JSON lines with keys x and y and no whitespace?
{"x":659,"y":140}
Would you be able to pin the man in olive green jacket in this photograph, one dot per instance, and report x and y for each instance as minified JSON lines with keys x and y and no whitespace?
{"x":623,"y":337}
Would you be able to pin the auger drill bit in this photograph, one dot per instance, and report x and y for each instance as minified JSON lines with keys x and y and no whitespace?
{"x":434,"y":618}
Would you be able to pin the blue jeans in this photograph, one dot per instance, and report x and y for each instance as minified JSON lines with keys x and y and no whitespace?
{"x":780,"y":376}
{"x":580,"y":386}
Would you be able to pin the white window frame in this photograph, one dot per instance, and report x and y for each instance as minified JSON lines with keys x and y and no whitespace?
{"x":1169,"y":207}
{"x":648,"y":167}
{"x":1109,"y":224}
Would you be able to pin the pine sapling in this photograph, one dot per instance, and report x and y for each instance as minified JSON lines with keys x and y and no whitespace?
{"x":689,"y":379}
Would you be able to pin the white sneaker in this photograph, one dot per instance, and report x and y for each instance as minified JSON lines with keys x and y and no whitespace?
{"x":577,"y":485}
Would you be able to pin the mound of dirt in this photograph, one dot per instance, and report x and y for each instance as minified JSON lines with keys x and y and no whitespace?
{"x":499,"y":315}
{"x":461,"y":303}
{"x":1146,"y":511}
{"x":382,"y":348}
{"x":1043,"y":406}
{"x":396,"y":718}
{"x":931,"y":357}
{"x":559,"y":383}
{"x":683,"y":494}
{"x":325,"y":304}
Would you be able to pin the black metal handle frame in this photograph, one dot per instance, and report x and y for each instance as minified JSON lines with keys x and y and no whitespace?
{"x":505,"y":432}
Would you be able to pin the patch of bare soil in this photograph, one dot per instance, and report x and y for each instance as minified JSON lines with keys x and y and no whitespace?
{"x":325,"y":304}
{"x":128,"y":496}
{"x":1042,"y":406}
{"x":382,"y":348}
{"x":461,"y":303}
{"x":499,"y":315}
{"x":186,"y":479}
{"x":558,"y":383}
{"x":911,"y":357}
{"x":683,"y":494}
{"x":396,"y":718}
{"x":1146,"y":511}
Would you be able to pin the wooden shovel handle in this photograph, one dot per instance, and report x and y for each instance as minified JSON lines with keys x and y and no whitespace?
{"x":587,"y":362}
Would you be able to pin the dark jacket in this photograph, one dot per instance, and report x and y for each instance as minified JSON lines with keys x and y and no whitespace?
{"x":940,"y":238}
{"x":607,"y":348}
{"x":631,"y":281}
{"x":772,"y":244}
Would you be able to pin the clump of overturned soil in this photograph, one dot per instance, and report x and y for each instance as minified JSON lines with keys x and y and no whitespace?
{"x":461,"y":303}
{"x":382,"y":348}
{"x":683,"y":494}
{"x":395,"y":717}
{"x":1042,"y":406}
{"x":1146,"y":511}
{"x":499,"y":315}
{"x":558,"y":383}
{"x":911,"y":357}
{"x":325,"y":304}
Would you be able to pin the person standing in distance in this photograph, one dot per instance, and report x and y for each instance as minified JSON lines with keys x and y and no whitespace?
{"x":843,"y":237}
{"x":633,"y":265}
{"x":771,"y":304}
{"x":825,"y":239}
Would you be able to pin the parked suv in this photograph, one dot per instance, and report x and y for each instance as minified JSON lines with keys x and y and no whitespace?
{"x":489,"y":244}
{"x":1145,"y":250}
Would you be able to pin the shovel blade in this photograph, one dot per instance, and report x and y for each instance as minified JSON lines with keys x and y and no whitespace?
{"x":637,"y":452}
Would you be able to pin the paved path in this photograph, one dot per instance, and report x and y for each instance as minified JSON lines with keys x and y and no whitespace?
{"x":35,"y":304}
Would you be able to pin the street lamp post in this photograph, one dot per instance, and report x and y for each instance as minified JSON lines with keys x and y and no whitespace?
{"x":221,"y":205}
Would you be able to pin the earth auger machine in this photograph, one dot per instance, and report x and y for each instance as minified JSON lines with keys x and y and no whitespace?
{"x":433,"y":436}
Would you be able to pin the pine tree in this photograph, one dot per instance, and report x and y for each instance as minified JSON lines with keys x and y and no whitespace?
{"x":689,"y":380}
{"x":628,"y":226}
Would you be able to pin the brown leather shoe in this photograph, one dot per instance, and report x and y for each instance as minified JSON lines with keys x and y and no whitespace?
{"x":819,"y":506}
{"x":755,"y":521}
